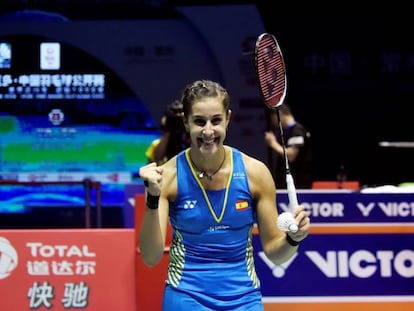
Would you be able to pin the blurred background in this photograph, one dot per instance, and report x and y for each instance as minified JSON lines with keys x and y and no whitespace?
{"x":84,"y":83}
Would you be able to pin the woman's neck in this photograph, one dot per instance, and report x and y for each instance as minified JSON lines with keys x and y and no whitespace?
{"x":209,"y":166}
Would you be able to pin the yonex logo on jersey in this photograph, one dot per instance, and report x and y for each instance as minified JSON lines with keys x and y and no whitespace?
{"x":8,"y":258}
{"x":190,"y":204}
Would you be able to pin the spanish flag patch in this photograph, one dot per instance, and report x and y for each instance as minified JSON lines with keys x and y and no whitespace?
{"x":242,"y":205}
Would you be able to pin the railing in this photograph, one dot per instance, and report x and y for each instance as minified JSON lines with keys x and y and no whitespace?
{"x":88,"y":185}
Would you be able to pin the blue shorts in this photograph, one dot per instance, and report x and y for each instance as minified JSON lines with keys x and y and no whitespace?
{"x":177,"y":300}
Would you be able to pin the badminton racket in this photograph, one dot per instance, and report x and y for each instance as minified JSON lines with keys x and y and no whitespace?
{"x":271,"y":74}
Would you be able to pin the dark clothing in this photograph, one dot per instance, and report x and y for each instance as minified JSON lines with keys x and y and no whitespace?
{"x":301,"y":168}
{"x":178,"y":141}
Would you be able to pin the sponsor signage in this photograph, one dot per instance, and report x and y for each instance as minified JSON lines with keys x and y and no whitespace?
{"x":353,"y":207}
{"x":359,"y":255}
{"x":354,"y":265}
{"x":73,"y":269}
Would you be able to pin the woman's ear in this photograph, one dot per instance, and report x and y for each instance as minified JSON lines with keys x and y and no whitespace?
{"x":228,"y":116}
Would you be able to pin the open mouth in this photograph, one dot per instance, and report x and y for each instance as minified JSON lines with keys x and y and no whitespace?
{"x":209,"y":141}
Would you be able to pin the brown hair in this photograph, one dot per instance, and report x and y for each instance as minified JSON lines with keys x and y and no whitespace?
{"x":200,"y":89}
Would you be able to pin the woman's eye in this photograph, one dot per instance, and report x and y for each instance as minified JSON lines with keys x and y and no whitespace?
{"x":216,"y":121}
{"x":200,"y":122}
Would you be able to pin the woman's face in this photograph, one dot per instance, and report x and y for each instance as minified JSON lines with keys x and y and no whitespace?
{"x":207,"y":124}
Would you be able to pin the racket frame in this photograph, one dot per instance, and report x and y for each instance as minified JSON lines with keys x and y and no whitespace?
{"x":270,"y":68}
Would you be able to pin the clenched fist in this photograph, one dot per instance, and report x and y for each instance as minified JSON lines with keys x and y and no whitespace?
{"x":152,"y":176}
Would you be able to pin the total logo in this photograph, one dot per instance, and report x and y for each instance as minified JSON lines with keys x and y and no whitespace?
{"x":8,"y":258}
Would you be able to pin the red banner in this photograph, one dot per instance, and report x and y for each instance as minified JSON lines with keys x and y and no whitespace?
{"x":68,"y":269}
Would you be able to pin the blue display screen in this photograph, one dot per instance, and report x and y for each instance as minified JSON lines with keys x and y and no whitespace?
{"x":65,"y":116}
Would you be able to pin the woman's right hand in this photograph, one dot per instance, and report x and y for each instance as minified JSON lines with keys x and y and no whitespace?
{"x":151,"y":174}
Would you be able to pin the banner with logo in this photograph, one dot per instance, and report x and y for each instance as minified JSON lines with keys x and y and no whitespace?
{"x":359,"y":255}
{"x":343,"y":206}
{"x":68,"y":269}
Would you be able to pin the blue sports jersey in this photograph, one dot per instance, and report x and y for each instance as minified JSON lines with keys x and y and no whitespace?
{"x":211,"y":255}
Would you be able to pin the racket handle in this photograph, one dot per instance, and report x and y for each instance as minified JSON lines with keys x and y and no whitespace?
{"x":293,"y":200}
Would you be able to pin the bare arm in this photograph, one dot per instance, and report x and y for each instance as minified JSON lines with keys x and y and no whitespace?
{"x":273,"y":240}
{"x":152,"y":233}
{"x":271,"y":140}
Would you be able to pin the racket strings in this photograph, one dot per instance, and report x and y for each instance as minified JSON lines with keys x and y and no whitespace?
{"x":270,"y":83}
{"x":271,"y":70}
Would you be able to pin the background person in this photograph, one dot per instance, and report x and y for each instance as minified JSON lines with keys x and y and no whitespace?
{"x":298,"y":149}
{"x":174,"y":137}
